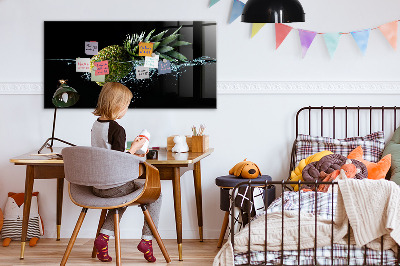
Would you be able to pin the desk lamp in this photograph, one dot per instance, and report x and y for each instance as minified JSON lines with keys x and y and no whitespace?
{"x":273,"y":11}
{"x":65,"y":96}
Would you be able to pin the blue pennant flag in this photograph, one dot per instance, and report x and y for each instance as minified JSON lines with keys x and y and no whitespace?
{"x":332,"y":41}
{"x":213,"y":2}
{"x":237,"y":9}
{"x":361,"y":38}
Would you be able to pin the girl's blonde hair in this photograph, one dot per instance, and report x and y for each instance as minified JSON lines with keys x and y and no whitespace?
{"x":113,"y":98}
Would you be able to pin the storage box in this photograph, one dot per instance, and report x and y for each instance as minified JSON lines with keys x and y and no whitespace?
{"x":171,"y":143}
{"x":200,"y":143}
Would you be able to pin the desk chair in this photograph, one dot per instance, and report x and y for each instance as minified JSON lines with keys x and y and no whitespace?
{"x":85,"y":167}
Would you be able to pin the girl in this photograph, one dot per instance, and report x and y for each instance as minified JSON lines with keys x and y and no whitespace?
{"x":106,"y":133}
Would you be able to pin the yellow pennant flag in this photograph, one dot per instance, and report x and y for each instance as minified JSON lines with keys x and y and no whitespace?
{"x":256,"y":28}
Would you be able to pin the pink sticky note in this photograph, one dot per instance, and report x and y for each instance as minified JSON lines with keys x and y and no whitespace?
{"x":102,"y":68}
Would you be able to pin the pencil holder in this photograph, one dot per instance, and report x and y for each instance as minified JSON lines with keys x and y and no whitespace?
{"x":200,"y":143}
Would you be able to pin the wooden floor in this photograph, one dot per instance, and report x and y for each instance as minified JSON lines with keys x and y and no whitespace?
{"x":50,"y":252}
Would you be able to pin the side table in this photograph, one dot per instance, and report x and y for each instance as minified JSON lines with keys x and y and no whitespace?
{"x":228,"y":182}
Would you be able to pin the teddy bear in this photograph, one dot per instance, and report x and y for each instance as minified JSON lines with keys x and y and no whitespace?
{"x":245,"y":169}
{"x":180,"y":144}
{"x":13,"y":215}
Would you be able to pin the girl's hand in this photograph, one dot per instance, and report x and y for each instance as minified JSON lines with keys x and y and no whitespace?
{"x":137,"y":144}
{"x":143,"y":155}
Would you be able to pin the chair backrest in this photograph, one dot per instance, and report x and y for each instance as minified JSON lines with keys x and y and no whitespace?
{"x":92,"y":166}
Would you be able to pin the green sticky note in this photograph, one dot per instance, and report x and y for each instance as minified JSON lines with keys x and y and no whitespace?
{"x":98,"y":78}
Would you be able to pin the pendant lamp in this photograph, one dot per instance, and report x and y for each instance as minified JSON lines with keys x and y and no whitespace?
{"x":64,"y":96}
{"x":272,"y":11}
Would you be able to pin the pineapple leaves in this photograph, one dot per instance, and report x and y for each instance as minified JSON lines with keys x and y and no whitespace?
{"x":155,"y":45}
{"x":169,"y":39}
{"x":158,"y":37}
{"x":180,"y":43}
{"x":163,"y":56}
{"x":177,"y":55}
{"x":164,"y":49}
{"x":147,"y":39}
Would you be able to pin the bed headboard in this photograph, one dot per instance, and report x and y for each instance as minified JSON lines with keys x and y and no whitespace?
{"x":344,"y":121}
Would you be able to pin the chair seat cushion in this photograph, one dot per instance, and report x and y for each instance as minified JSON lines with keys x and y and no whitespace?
{"x":83,"y":196}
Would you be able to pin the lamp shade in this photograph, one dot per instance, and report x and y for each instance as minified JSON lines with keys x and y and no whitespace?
{"x":65,"y":96}
{"x":273,"y":11}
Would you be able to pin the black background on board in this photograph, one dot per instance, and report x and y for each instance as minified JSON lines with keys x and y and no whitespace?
{"x":66,"y":40}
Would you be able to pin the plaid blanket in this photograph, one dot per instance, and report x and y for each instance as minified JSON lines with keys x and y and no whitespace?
{"x":322,"y":204}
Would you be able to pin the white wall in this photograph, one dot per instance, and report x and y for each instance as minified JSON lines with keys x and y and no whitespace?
{"x":257,"y":127}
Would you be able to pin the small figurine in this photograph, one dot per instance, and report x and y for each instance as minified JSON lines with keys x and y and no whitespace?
{"x":180,"y":144}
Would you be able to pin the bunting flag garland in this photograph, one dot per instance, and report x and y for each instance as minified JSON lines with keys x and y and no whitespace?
{"x":213,"y":2}
{"x":237,"y":9}
{"x":361,"y":37}
{"x":256,"y":28}
{"x":332,"y":41}
{"x":306,"y":39}
{"x":281,"y":31}
{"x":389,"y":30}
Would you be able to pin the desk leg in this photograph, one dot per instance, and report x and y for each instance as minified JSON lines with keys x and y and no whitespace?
{"x":199,"y":204}
{"x":176,"y":183}
{"x":27,"y":206}
{"x":60,"y":190}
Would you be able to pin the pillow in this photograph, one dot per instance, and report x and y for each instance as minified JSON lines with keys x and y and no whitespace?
{"x":375,"y":170}
{"x":372,"y":144}
{"x":393,"y":148}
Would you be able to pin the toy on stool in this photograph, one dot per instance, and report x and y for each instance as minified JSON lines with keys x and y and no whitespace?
{"x":13,"y":215}
{"x":245,"y":169}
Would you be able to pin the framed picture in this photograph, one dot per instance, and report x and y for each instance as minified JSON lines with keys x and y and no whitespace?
{"x":166,"y":64}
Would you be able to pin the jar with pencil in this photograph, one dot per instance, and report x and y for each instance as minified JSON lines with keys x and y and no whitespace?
{"x":199,"y":140}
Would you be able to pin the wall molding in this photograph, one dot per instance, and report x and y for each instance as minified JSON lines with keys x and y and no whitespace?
{"x":260,"y":87}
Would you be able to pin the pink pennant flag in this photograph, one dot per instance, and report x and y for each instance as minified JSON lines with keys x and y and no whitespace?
{"x":281,"y":31}
{"x":389,"y":30}
{"x":306,"y":39}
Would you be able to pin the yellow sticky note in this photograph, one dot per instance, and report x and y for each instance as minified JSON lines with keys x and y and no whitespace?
{"x":98,"y":78}
{"x":145,"y":49}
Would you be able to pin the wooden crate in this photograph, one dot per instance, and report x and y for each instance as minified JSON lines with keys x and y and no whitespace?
{"x":171,"y":143}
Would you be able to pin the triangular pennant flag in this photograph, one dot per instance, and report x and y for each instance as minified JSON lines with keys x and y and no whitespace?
{"x":361,"y":37}
{"x":390,"y":32}
{"x":332,"y":41}
{"x":213,"y":2}
{"x":237,"y":9}
{"x":306,"y":39}
{"x":281,"y":31}
{"x":255,"y":28}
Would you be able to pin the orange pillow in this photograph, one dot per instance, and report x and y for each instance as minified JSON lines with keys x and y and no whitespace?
{"x":375,"y":170}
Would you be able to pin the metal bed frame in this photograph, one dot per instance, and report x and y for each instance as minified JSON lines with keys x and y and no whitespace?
{"x":283,"y":184}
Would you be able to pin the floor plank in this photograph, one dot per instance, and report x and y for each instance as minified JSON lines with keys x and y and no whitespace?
{"x":49,"y":252}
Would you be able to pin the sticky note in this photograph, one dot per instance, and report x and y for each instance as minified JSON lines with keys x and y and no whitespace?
{"x":98,"y":78}
{"x":102,"y":68}
{"x":83,"y":65}
{"x":152,"y":61}
{"x":142,"y":72}
{"x":164,"y":67}
{"x":145,"y":49}
{"x":91,"y":48}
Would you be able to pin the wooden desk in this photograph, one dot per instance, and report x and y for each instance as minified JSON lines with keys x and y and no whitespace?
{"x":171,"y":167}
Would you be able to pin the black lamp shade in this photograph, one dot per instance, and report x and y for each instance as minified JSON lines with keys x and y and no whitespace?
{"x":273,"y":11}
{"x":65,"y":96}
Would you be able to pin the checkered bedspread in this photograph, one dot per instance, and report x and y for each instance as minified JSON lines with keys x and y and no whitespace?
{"x":321,"y":205}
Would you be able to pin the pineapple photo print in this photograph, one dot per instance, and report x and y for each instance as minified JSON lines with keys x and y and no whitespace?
{"x":166,"y":64}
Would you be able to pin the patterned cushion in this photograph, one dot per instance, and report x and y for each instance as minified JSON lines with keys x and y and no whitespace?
{"x":372,"y":144}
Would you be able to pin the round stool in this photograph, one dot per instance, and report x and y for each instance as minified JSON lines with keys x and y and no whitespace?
{"x":228,"y":182}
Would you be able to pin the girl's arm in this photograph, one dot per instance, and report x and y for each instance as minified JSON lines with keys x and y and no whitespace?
{"x":136,"y":145}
